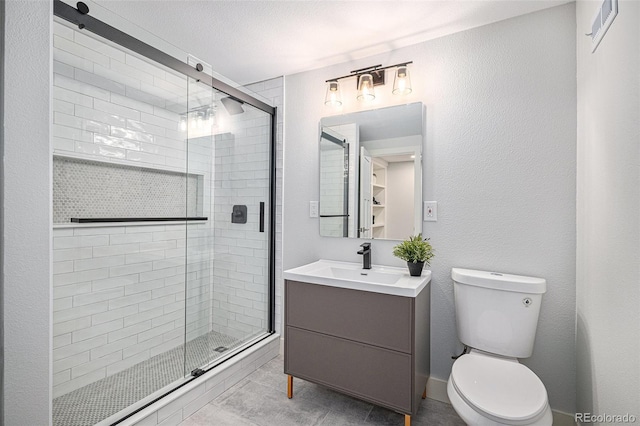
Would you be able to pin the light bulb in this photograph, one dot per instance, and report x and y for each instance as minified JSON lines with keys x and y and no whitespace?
{"x":333,"y":97}
{"x":402,"y":81}
{"x":365,"y":88}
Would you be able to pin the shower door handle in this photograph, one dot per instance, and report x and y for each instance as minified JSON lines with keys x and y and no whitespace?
{"x":261,"y":216}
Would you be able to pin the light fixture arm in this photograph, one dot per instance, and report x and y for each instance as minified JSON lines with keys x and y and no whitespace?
{"x":367,"y":70}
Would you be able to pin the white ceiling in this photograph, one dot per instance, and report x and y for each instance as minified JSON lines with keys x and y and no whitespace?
{"x":250,"y":41}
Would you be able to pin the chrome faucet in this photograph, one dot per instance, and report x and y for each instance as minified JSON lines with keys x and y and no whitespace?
{"x":365,"y":251}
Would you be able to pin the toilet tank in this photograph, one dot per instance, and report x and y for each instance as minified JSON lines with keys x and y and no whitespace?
{"x":497,"y":313}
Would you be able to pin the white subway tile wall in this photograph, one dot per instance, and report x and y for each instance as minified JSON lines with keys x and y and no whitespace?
{"x":332,"y":189}
{"x":123,"y":294}
{"x":120,"y":298}
{"x":241,"y":250}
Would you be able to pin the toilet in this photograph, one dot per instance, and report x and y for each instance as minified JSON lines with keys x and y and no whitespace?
{"x":497,"y":317}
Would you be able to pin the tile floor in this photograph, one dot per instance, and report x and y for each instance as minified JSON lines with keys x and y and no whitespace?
{"x":260,"y":400}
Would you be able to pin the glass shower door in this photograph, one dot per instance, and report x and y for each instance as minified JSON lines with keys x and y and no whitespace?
{"x":242,"y":181}
{"x":228,"y":257}
{"x":199,"y":236}
{"x":121,"y":191}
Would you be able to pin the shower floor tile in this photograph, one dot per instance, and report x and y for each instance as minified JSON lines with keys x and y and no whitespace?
{"x":95,"y":402}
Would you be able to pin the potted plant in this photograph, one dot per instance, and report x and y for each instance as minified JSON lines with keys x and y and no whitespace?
{"x":416,"y":252}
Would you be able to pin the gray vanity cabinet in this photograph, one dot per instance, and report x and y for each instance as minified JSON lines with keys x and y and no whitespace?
{"x":368,"y":345}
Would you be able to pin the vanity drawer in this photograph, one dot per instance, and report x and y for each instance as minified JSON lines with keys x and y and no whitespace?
{"x":377,"y":319}
{"x":378,"y":375}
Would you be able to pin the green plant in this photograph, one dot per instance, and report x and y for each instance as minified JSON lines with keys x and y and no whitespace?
{"x":414,"y":250}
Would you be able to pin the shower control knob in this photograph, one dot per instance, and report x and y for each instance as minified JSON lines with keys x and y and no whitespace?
{"x":527,"y":301}
{"x":199,"y":67}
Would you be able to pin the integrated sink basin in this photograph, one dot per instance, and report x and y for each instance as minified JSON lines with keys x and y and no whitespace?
{"x":362,"y":275}
{"x":378,"y":279}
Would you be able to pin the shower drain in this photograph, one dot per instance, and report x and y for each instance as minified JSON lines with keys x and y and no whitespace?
{"x":221,"y":349}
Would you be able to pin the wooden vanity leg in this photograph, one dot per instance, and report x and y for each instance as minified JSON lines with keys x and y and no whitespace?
{"x":407,"y":420}
{"x":424,"y":394}
{"x":289,"y":386}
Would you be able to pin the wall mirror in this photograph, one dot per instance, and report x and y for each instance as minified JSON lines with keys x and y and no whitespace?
{"x":371,"y":173}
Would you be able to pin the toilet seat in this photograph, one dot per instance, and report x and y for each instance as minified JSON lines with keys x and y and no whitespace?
{"x":500,"y":389}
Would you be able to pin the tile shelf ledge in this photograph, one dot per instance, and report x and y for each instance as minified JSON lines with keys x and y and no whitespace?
{"x":124,"y":162}
{"x":136,"y":219}
{"x":70,"y":225}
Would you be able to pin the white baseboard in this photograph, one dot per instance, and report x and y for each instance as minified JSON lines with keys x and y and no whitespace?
{"x":561,"y":418}
{"x":437,"y":389}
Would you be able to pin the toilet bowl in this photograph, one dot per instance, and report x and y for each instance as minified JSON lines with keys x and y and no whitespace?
{"x":497,"y":316}
{"x":488,"y":390}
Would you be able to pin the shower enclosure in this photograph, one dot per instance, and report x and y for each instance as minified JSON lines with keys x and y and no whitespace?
{"x":163,"y":221}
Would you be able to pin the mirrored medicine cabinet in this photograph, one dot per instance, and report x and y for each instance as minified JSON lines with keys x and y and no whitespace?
{"x":371,"y":173}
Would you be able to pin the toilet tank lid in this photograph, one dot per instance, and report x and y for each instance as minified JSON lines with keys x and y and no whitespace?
{"x":499,"y":281}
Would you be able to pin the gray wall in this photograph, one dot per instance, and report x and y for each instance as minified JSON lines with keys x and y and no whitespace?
{"x":2,"y":31}
{"x":27,"y":213}
{"x":608,"y":214}
{"x":500,"y":160}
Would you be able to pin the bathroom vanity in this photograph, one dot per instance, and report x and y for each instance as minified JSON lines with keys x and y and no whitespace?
{"x":361,"y":332}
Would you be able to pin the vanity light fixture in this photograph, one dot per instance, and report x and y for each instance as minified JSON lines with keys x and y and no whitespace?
{"x":198,"y":118}
{"x":366,"y":79}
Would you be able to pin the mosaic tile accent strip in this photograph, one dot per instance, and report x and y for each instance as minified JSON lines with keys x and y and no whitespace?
{"x":95,"y":402}
{"x":83,"y":188}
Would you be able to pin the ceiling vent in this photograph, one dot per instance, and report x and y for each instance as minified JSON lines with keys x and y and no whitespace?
{"x":602,"y":21}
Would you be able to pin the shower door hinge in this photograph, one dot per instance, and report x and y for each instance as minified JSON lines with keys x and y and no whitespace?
{"x":197,"y":372}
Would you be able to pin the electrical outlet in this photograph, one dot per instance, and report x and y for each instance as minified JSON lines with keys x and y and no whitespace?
{"x":430,"y":211}
{"x":313,"y":209}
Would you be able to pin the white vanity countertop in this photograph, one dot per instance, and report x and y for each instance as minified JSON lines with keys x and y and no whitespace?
{"x":378,"y":279}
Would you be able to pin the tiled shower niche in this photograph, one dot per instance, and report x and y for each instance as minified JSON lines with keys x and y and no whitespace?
{"x":93,"y":189}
